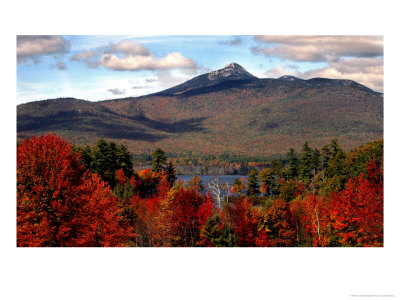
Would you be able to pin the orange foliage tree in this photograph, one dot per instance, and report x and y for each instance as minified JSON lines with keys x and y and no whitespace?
{"x":316,"y":220}
{"x":249,"y":226}
{"x":59,"y":205}
{"x":357,"y":211}
{"x":279,"y":223}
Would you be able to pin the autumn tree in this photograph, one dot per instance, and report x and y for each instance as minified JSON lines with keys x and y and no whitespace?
{"x":249,"y":226}
{"x":357,"y":211}
{"x":238,"y":185}
{"x":60,"y":205}
{"x":278,"y":221}
{"x":190,"y":210}
{"x":316,"y":221}
{"x":196,"y":183}
{"x":291,"y":189}
{"x":266,"y":179}
{"x":356,"y":161}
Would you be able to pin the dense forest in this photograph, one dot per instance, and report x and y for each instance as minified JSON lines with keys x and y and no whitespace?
{"x":90,"y":196}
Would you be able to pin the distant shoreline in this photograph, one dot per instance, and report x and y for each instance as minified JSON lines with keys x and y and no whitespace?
{"x":201,"y":170}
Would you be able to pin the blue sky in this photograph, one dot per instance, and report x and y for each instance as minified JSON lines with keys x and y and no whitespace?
{"x":107,"y":67}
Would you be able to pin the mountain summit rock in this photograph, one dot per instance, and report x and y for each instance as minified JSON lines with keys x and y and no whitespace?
{"x":231,"y":72}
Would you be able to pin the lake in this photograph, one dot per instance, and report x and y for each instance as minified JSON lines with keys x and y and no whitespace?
{"x":208,"y":178}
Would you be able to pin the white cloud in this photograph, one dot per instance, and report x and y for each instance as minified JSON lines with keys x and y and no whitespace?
{"x":129,"y":47}
{"x":88,"y":57}
{"x":319,"y":48}
{"x":128,"y":55}
{"x":277,"y":72}
{"x":167,"y":79}
{"x":367,"y":71}
{"x":34,"y":46}
{"x":173,"y":60}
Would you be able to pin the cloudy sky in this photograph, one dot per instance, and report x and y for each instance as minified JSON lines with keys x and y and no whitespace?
{"x":106,"y":67}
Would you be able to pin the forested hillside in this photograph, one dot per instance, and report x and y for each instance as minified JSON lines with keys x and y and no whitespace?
{"x":237,"y":116}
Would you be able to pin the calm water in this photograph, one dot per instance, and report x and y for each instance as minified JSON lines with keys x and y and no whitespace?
{"x":208,"y":178}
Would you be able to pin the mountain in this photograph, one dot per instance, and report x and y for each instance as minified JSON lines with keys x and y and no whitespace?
{"x":227,"y":111}
{"x":232,"y":72}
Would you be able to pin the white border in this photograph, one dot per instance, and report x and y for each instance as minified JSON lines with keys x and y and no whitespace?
{"x":198,"y":273}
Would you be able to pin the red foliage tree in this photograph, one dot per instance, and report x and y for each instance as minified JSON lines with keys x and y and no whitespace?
{"x":249,"y":226}
{"x":120,"y":176}
{"x":316,"y":220}
{"x":58,"y":205}
{"x":190,"y":210}
{"x":279,"y":222}
{"x":357,"y":211}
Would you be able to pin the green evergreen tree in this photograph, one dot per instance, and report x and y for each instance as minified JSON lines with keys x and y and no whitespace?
{"x":305,"y":164}
{"x":336,"y":160}
{"x":335,"y":174}
{"x":124,"y":160}
{"x":293,"y":164}
{"x":107,"y":158}
{"x":171,"y":172}
{"x":325,"y":157}
{"x":217,"y":235}
{"x":104,"y":161}
{"x":87,"y":157}
{"x":315,"y":161}
{"x":253,"y":185}
{"x":159,"y":160}
{"x":277,"y":167}
{"x":86,"y":154}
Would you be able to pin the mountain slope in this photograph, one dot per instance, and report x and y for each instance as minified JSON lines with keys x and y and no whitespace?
{"x":228,"y":111}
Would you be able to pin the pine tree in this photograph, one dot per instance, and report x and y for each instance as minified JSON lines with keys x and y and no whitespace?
{"x":170,"y":172}
{"x":124,"y":160}
{"x":315,"y":161}
{"x":305,"y":164}
{"x":107,"y":158}
{"x":293,"y":164}
{"x":159,"y":160}
{"x":253,"y":185}
{"x":215,"y":234}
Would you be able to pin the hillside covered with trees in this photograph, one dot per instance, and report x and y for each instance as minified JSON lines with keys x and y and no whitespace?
{"x":89,"y":196}
{"x":237,"y":116}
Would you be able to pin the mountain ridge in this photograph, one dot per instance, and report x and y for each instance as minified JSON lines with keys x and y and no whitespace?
{"x":233,"y":112}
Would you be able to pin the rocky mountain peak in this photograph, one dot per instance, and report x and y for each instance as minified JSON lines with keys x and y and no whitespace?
{"x":233,"y":70}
